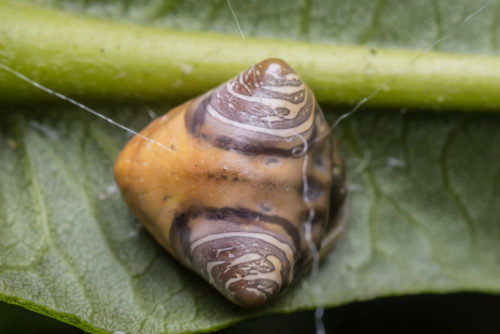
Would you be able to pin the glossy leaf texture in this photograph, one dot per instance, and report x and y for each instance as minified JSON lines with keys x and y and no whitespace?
{"x":424,"y":186}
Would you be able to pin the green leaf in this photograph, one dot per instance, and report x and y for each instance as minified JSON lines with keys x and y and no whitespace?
{"x":424,"y":186}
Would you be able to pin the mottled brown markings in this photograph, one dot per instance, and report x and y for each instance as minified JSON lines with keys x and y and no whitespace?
{"x":222,"y":252}
{"x":261,"y":72}
{"x":245,"y":216}
{"x":295,"y":98}
{"x":248,"y":148}
{"x":263,"y":285}
{"x":195,"y":119}
{"x":256,"y":112}
{"x":282,"y":111}
{"x":239,"y":216}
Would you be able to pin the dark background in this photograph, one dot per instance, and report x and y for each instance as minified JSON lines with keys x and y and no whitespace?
{"x":453,"y":313}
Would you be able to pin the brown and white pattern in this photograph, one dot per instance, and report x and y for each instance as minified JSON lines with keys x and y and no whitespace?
{"x":250,"y":164}
{"x":268,"y":106}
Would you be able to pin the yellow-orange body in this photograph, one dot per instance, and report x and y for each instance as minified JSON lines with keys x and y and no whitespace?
{"x":171,"y":174}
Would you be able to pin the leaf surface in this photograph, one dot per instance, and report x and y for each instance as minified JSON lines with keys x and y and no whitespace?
{"x":424,"y":187}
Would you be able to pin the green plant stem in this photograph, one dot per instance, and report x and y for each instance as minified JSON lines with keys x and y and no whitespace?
{"x":88,"y":58}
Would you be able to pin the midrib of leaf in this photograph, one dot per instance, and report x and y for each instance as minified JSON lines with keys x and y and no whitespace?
{"x":116,"y":61}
